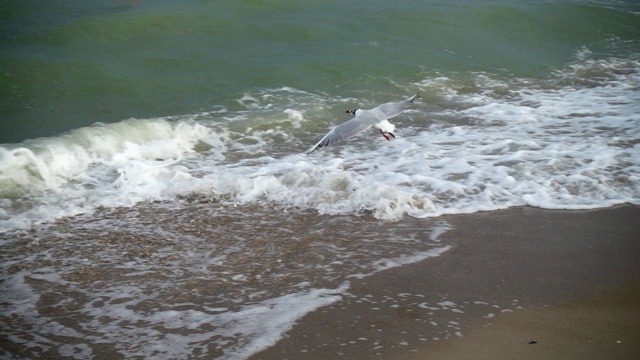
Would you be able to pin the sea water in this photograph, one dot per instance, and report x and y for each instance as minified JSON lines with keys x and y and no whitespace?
{"x":188,"y":125}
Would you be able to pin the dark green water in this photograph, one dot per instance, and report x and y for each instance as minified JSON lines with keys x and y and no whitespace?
{"x":69,"y":64}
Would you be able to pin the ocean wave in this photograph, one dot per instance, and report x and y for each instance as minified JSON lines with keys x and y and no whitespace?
{"x":481,"y":142}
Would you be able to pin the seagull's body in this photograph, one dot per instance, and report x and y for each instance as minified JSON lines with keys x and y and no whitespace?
{"x":377,"y":117}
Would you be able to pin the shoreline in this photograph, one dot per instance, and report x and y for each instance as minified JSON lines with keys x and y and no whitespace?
{"x":560,"y":270}
{"x":192,"y":279}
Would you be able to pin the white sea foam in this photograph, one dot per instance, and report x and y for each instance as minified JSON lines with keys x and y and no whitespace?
{"x":253,"y":327}
{"x":569,"y":142}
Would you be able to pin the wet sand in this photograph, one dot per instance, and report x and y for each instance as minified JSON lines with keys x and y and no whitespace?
{"x":520,"y":283}
{"x":603,"y":326}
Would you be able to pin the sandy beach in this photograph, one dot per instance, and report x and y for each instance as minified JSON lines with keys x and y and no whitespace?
{"x":602,"y":326}
{"x":521,"y":283}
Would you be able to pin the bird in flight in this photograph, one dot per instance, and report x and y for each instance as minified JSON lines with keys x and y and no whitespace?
{"x":377,"y":117}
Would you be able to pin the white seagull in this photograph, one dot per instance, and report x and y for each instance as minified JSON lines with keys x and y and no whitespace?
{"x":363,"y":120}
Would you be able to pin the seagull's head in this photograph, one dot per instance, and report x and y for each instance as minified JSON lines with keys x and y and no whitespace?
{"x":353,"y":112}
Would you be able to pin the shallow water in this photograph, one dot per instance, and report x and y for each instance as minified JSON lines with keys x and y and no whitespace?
{"x":173,"y":281}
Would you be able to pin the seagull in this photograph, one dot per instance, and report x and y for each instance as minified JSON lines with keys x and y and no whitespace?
{"x":363,"y":120}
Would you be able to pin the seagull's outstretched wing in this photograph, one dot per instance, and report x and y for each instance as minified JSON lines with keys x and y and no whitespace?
{"x":344,"y":131}
{"x":394,"y":108}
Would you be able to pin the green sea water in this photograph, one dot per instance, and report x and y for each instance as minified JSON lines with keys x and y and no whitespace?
{"x":71,"y":63}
